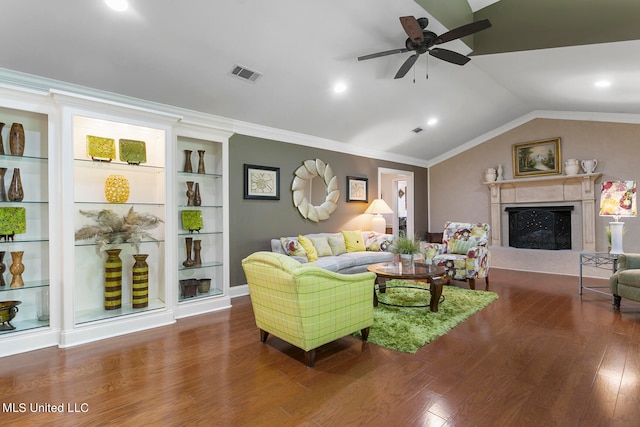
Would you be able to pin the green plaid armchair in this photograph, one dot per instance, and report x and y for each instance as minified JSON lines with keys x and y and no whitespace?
{"x":305,"y":305}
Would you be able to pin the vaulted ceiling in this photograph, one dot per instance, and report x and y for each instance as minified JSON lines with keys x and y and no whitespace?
{"x":541,"y":55}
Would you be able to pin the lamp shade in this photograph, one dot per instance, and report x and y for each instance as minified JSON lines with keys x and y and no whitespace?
{"x":378,"y":206}
{"x":618,"y":199}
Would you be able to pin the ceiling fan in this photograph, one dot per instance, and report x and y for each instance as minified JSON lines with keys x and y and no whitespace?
{"x":421,"y":41}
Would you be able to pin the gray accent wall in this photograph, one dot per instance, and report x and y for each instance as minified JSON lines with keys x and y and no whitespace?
{"x":253,"y":223}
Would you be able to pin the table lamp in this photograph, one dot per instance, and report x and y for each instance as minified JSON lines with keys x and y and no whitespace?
{"x":377,"y":208}
{"x":618,"y":199}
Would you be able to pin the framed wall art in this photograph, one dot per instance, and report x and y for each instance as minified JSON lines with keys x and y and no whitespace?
{"x":357,"y":189}
{"x":261,"y":182}
{"x":537,"y":158}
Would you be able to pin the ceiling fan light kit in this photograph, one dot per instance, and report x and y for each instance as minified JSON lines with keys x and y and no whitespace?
{"x":422,"y":41}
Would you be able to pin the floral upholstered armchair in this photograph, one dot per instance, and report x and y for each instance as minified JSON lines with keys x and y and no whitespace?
{"x":463,"y":253}
{"x":306,"y":305}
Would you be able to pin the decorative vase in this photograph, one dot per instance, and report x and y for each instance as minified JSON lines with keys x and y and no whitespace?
{"x":140,"y":291}
{"x":200,"y":161}
{"x":490,"y":175}
{"x":113,"y":280}
{"x":406,"y":260}
{"x":116,"y":189}
{"x":197,"y":200}
{"x":500,"y":178}
{"x":197,"y":248}
{"x":589,"y":165}
{"x":16,"y":193}
{"x":190,"y":193}
{"x":3,"y":193}
{"x":188,"y":287}
{"x":3,"y":268}
{"x":204,"y":285}
{"x":16,"y":269}
{"x":189,"y":262}
{"x":1,"y":143}
{"x":187,"y":161}
{"x":16,"y":139}
{"x":572,"y":167}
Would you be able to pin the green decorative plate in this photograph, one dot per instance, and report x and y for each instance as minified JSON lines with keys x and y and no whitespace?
{"x":101,"y":149}
{"x":13,"y":221}
{"x":192,"y":220}
{"x":132,"y":151}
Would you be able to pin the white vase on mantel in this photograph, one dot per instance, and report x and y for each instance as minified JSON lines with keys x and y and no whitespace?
{"x":589,"y":166}
{"x":572,"y":167}
{"x":490,"y":175}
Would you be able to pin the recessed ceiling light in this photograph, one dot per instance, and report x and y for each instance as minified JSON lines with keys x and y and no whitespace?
{"x":117,"y":5}
{"x":432,"y":121}
{"x":339,"y":87}
{"x":602,"y":83}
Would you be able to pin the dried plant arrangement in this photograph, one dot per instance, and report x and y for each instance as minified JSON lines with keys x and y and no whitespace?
{"x":112,"y":228}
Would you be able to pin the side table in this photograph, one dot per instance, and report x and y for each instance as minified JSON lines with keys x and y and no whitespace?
{"x":602,"y":260}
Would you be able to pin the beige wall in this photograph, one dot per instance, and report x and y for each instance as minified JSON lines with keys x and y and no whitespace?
{"x":457,"y":191}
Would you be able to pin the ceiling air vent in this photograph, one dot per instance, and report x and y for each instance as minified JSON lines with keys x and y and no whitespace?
{"x":245,"y":73}
{"x":417,"y":130}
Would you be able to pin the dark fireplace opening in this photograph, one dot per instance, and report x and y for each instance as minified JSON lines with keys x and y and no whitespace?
{"x":540,"y":227}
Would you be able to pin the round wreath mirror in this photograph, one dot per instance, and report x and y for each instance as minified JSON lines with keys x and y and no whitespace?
{"x":301,"y":197}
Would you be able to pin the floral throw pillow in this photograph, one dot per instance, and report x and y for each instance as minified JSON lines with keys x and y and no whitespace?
{"x":336,"y":243}
{"x":378,"y":242}
{"x":292,"y":247}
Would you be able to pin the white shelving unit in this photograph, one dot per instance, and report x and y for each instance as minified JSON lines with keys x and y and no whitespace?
{"x":213,"y":209}
{"x":88,"y":320}
{"x":60,"y":180}
{"x":35,"y":322}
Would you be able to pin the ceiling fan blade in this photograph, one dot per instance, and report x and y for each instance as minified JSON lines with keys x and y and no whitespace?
{"x":464,"y":31}
{"x":412,"y":28}
{"x":404,"y":69}
{"x":379,"y":54}
{"x":449,"y":56}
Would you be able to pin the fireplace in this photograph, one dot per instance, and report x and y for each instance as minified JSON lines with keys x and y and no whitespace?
{"x":540,"y":227}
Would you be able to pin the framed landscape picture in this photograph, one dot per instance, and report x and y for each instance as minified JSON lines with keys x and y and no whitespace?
{"x":261,"y":182}
{"x":357,"y":189}
{"x":536,"y":158}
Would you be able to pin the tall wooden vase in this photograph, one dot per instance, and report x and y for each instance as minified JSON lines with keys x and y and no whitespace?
{"x":16,"y":139}
{"x":3,"y":193}
{"x":16,"y":269}
{"x":113,"y":280}
{"x":15,"y":193}
{"x":1,"y":143}
{"x":3,"y":268}
{"x":201,"y":161}
{"x":187,"y":161}
{"x":140,"y":292}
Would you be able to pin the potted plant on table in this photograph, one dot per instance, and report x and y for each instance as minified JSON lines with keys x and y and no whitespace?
{"x":406,"y":247}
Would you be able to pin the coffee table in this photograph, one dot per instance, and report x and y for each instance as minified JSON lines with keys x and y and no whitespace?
{"x":418,"y":272}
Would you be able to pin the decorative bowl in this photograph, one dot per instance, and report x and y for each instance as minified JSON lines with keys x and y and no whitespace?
{"x":8,"y":310}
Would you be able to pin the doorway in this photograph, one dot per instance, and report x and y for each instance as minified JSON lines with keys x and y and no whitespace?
{"x":396,"y":188}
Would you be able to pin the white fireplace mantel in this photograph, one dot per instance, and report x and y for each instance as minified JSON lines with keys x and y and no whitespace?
{"x":546,"y":189}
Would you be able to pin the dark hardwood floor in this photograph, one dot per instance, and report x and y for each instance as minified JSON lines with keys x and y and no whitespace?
{"x":540,"y":355}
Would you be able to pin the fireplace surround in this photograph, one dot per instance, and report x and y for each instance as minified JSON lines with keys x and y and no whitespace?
{"x":552,"y":190}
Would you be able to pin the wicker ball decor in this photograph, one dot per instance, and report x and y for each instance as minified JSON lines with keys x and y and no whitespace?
{"x":116,"y":188}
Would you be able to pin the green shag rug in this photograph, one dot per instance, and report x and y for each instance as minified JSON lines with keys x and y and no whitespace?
{"x":408,"y":329}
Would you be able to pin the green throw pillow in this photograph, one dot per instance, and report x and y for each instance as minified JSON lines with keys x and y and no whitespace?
{"x":460,"y":246}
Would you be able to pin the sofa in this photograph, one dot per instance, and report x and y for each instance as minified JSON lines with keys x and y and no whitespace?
{"x":346,"y":252}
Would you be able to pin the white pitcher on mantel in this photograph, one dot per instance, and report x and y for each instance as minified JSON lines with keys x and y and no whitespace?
{"x":589,"y":165}
{"x":572,"y":167}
